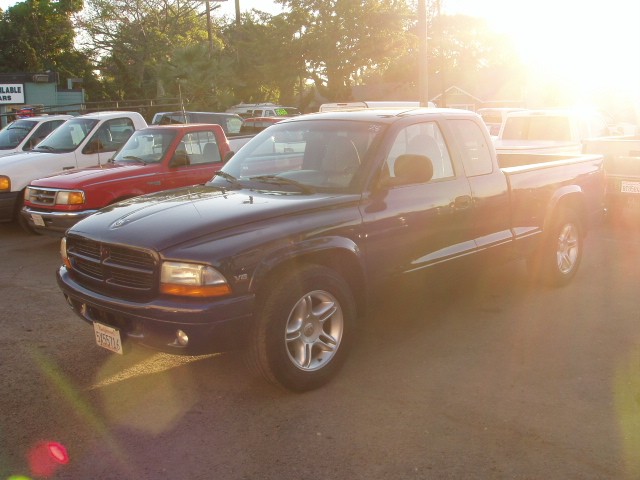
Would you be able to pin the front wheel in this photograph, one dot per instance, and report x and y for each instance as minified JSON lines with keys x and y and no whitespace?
{"x":560,"y":254}
{"x":303,"y":328}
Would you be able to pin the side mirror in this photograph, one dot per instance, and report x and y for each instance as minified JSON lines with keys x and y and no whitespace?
{"x":228,"y":156}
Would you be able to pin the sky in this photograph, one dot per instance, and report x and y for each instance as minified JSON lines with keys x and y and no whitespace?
{"x":592,"y":45}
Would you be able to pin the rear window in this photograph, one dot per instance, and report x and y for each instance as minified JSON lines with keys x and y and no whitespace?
{"x":549,"y":128}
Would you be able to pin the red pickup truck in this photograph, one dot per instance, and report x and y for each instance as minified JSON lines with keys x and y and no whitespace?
{"x":153,"y":159}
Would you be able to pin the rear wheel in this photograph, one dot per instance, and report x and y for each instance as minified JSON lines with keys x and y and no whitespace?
{"x":303,"y":328}
{"x":560,"y":254}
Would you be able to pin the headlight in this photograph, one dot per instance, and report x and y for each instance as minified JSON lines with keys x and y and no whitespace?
{"x":63,"y":253}
{"x":63,"y":197}
{"x":192,"y":280}
{"x":5,"y":183}
{"x":74,"y":197}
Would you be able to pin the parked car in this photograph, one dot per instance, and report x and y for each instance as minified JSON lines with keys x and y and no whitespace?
{"x":172,"y":155}
{"x":549,"y":131}
{"x":25,"y":133}
{"x":84,"y":141}
{"x":341,"y":106}
{"x":230,"y":123}
{"x":247,"y":110}
{"x":257,"y":124}
{"x":284,"y":249}
{"x":621,"y":168}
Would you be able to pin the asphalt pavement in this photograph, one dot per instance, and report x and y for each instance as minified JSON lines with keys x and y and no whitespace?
{"x":485,"y":376}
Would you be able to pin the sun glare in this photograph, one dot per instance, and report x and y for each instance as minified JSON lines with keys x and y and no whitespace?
{"x":589,"y":48}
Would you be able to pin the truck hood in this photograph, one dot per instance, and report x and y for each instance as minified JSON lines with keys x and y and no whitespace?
{"x":83,"y":177}
{"x":150,"y":220}
{"x":15,"y":159}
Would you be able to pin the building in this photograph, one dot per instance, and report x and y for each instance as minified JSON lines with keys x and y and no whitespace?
{"x":25,"y":94}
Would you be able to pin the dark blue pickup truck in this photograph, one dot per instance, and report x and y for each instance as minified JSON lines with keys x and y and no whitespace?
{"x":284,"y":248}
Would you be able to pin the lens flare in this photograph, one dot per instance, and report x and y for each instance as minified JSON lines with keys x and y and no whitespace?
{"x":46,"y":457}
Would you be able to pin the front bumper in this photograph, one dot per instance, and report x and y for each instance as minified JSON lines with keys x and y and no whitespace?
{"x":212,"y":326}
{"x":55,"y":223}
{"x":8,"y":202}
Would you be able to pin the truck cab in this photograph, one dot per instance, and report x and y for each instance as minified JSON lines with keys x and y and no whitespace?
{"x":25,"y":133}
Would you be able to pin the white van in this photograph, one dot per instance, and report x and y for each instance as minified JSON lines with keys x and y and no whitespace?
{"x":335,"y":107}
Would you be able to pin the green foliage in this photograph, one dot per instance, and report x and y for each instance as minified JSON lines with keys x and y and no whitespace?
{"x":343,"y":40}
{"x":130,"y":39}
{"x":161,"y":48}
{"x":36,"y":35}
{"x":199,"y":76}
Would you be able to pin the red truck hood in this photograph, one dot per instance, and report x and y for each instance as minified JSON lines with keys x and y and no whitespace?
{"x":80,"y":178}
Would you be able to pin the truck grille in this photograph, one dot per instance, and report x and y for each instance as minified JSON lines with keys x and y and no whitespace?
{"x":42,"y":196}
{"x":116,"y":269}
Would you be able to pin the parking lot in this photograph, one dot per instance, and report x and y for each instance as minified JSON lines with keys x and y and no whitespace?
{"x":484,"y":376}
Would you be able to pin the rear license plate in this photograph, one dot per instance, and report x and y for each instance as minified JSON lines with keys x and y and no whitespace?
{"x":108,"y":337}
{"x":37,"y":219}
{"x":630,"y":187}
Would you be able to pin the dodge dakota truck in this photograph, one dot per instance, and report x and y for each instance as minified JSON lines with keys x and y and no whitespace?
{"x":287,"y":246}
{"x":153,"y":159}
{"x":622,"y":169}
{"x":82,"y":141}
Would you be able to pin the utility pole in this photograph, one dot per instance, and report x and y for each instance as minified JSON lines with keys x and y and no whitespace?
{"x":422,"y":54}
{"x":238,"y":13}
{"x":209,"y":28}
{"x":209,"y":32}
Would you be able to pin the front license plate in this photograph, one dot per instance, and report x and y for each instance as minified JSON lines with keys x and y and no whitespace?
{"x":630,"y":187}
{"x":108,"y":337}
{"x":37,"y":219}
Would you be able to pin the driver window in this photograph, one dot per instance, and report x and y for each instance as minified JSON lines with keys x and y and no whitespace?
{"x":421,"y":139}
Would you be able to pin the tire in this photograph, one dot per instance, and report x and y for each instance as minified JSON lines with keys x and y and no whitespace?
{"x":303,"y":328}
{"x":559,"y":256}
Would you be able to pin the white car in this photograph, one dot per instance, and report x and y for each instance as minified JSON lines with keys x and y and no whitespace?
{"x":25,"y":133}
{"x":84,"y":141}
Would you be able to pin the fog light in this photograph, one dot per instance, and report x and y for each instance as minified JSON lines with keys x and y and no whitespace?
{"x":182,"y":338}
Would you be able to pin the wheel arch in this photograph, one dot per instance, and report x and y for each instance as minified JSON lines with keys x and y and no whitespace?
{"x":572,"y":198}
{"x":339,"y":254}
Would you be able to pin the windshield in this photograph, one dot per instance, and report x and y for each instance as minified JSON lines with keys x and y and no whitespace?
{"x":302,"y":157}
{"x":67,"y":136}
{"x":14,"y":133}
{"x":147,"y":147}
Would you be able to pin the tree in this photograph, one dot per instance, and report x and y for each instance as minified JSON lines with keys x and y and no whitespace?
{"x":38,"y":35}
{"x":202,"y":78}
{"x":267,"y":58}
{"x":345,"y":39}
{"x":129,"y":39}
{"x":462,"y":51}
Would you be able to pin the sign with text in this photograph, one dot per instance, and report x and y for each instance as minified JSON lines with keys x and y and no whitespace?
{"x":11,"y":93}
